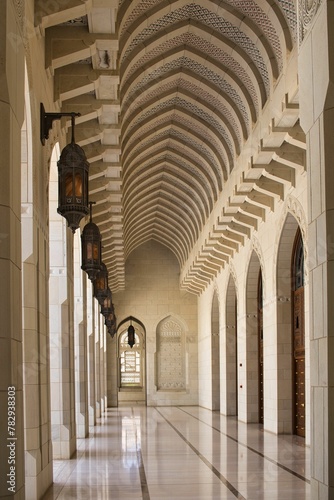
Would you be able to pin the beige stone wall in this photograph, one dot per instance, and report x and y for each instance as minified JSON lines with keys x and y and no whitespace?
{"x":11,"y":380}
{"x":270,"y":248}
{"x":153,"y":276}
{"x":316,"y":67}
{"x":151,"y":295}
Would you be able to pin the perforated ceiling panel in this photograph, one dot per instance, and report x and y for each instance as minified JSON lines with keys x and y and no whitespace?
{"x":194,"y":78}
{"x":169,"y":93}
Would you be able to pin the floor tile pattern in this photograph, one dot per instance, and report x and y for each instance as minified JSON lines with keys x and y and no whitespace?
{"x":180,"y":453}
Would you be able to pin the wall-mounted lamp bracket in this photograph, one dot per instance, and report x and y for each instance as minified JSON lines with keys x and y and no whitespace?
{"x":47,"y":120}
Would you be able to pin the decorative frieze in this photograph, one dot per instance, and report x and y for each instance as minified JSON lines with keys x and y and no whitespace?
{"x":307,"y":11}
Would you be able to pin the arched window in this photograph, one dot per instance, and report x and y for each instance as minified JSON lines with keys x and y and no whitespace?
{"x":130,"y":361}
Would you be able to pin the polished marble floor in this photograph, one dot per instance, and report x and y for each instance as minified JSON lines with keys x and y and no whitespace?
{"x":179,"y":453}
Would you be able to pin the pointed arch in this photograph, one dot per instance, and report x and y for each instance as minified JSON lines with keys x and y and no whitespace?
{"x":231,"y":349}
{"x":286,"y":317}
{"x":131,"y":361}
{"x":130,"y":319}
{"x":254,"y":370}
{"x":215,"y":351}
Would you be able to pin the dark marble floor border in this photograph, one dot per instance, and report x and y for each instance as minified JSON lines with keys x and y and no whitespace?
{"x":142,"y":475}
{"x":284,"y":467}
{"x":215,"y":471}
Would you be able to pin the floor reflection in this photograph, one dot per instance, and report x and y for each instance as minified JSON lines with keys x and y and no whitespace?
{"x":180,"y":453}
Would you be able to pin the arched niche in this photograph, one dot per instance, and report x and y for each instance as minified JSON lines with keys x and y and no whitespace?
{"x":171,"y":355}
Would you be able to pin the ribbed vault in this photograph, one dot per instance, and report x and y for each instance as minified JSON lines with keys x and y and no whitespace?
{"x":170,"y":93}
{"x":194,"y":77}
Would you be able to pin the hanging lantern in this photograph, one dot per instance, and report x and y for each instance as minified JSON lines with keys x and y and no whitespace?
{"x":110,"y":318}
{"x":73,"y":183}
{"x":112,"y":329}
{"x":131,"y":336}
{"x":101,"y":284}
{"x":72,"y":172}
{"x":91,"y":248}
{"x":107,"y":306}
{"x":110,"y":321}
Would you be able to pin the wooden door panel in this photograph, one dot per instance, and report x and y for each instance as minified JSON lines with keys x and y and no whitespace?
{"x":299,"y":360}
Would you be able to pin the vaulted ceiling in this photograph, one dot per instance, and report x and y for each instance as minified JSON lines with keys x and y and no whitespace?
{"x":169,"y":93}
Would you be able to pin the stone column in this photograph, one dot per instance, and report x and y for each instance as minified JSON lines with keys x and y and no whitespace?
{"x":36,"y":366}
{"x":80,"y":339}
{"x":228,"y":384}
{"x":112,"y":371}
{"x":105,"y":368}
{"x":97,"y":325}
{"x":11,"y":112}
{"x":91,"y":355}
{"x":316,"y":76}
{"x":62,"y":339}
{"x":102,"y":338}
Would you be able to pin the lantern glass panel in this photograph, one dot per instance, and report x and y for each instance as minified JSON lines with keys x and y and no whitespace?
{"x":96,"y":251}
{"x":91,"y":250}
{"x":69,"y":184}
{"x":100,"y":282}
{"x":89,"y":253}
{"x":107,"y":306}
{"x":78,"y":185}
{"x":73,"y":185}
{"x":107,"y":302}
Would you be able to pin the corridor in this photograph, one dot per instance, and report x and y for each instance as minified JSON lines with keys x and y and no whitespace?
{"x":185,"y":452}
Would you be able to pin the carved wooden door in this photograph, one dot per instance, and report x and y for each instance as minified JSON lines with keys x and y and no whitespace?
{"x":298,"y":335}
{"x":299,"y":361}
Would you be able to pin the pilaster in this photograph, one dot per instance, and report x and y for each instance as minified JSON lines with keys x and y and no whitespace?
{"x":316,"y":70}
{"x":11,"y":395}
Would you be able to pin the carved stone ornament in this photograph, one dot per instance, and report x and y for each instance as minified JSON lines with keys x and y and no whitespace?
{"x":20,"y":12}
{"x":307,"y":11}
{"x":234,"y":275}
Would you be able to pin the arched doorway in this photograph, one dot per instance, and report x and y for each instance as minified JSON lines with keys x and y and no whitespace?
{"x":298,"y":335}
{"x":260,"y":340}
{"x":231,"y":350}
{"x":292,"y":338}
{"x":215,"y":353}
{"x":255,"y":369}
{"x":131,"y":363}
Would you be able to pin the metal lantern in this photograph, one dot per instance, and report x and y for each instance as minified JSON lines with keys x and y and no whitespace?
{"x":131,"y":336}
{"x":91,"y":249}
{"x":110,"y":321}
{"x":72,"y":172}
{"x":107,"y":306}
{"x":111,"y":318}
{"x":73,"y":183}
{"x":101,"y":284}
{"x":112,"y":329}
